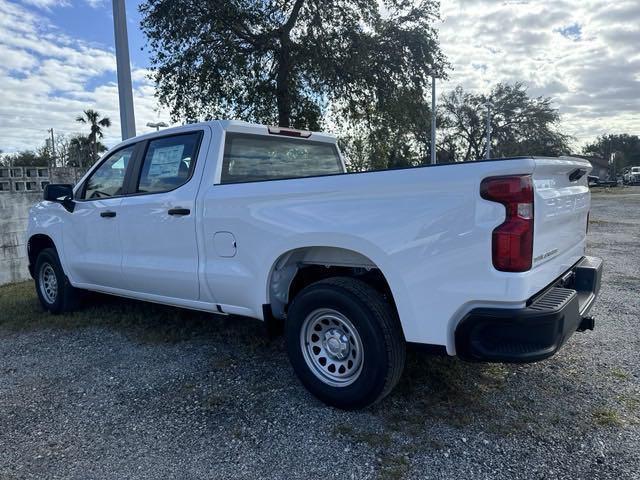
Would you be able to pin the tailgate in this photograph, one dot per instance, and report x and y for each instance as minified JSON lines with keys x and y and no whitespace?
{"x":561,"y":203}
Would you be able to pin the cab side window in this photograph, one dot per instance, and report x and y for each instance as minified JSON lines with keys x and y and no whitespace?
{"x":108,"y":179}
{"x":168,"y":163}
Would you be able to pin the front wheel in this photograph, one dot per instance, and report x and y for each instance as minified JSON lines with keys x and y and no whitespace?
{"x":345,"y":342}
{"x":54,"y":291}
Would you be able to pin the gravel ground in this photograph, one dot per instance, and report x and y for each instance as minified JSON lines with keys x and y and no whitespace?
{"x":124,"y":389}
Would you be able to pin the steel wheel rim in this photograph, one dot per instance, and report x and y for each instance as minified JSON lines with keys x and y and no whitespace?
{"x":48,"y":283}
{"x":331,"y":347}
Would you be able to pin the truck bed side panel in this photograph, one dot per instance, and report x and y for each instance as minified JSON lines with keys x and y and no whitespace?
{"x":427,"y":229}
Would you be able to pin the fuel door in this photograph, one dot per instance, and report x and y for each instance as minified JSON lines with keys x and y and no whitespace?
{"x":224,"y":244}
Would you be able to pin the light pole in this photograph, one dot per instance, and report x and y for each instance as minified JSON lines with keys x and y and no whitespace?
{"x":157,"y":125}
{"x":125,"y":93}
{"x":488,"y":153}
{"x":53,"y":148}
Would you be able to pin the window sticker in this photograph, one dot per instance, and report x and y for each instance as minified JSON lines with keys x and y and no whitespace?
{"x":166,"y":162}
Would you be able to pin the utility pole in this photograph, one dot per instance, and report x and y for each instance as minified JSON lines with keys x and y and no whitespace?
{"x":488,"y":154}
{"x":125,"y":93}
{"x":53,"y":148}
{"x":433,"y":120}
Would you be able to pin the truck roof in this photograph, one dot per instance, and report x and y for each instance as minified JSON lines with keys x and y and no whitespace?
{"x":240,"y":127}
{"x":259,"y":129}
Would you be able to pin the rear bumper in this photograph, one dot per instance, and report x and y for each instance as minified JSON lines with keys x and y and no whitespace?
{"x":537,"y":331}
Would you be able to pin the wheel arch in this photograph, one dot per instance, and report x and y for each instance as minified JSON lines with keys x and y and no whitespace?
{"x":301,"y":266}
{"x":36,"y":243}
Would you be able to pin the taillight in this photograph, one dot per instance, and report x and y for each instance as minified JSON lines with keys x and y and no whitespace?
{"x":512,"y":241}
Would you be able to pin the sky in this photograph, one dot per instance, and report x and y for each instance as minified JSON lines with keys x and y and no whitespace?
{"x":57,"y":58}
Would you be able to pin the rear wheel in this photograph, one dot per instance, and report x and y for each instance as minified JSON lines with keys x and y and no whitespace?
{"x":54,"y":291}
{"x":345,"y":342}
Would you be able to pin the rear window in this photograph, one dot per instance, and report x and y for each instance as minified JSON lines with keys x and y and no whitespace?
{"x":255,"y":158}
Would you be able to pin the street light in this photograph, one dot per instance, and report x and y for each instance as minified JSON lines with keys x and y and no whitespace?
{"x":157,"y":125}
{"x":488,"y":153}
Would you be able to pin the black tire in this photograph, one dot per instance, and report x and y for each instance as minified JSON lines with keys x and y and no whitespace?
{"x":66,"y":296}
{"x":379,"y":333}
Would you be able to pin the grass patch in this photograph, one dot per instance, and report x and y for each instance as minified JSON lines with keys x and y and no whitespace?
{"x":445,"y":389}
{"x":620,"y":374}
{"x":393,"y":467}
{"x":144,"y":322}
{"x":630,"y":402}
{"x":372,"y":439}
{"x":607,"y":417}
{"x":215,"y":402}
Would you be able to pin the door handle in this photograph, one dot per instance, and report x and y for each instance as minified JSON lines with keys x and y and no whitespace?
{"x":108,"y":214}
{"x":179,"y":211}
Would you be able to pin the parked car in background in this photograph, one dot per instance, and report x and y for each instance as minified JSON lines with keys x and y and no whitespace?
{"x":484,"y":260}
{"x":596,"y":182}
{"x":632,"y":176}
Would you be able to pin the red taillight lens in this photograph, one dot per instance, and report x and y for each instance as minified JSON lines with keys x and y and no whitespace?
{"x":512,"y":241}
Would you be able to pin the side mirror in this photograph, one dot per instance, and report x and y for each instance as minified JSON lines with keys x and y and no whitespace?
{"x":61,"y":193}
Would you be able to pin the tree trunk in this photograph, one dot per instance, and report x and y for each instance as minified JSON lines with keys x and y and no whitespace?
{"x":283,"y":91}
{"x":283,"y":76}
{"x":92,"y":149}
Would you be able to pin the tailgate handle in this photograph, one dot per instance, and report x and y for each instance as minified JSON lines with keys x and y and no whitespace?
{"x":577,"y":174}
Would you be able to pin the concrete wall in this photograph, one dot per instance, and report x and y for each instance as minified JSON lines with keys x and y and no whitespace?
{"x":20,"y":188}
{"x":14,"y":211}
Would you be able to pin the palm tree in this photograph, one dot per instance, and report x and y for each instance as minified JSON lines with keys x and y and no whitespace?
{"x":92,"y":118}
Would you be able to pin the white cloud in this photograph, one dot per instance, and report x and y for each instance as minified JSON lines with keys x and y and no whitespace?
{"x":47,"y":79}
{"x":47,"y":4}
{"x":95,"y":3}
{"x":582,"y":53}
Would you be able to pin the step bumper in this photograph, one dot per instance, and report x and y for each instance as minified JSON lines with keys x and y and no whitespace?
{"x":541,"y":328}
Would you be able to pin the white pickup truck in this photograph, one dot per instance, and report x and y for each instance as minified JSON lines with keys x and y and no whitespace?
{"x":484,"y":260}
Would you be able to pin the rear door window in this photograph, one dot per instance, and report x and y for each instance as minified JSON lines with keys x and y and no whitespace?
{"x":252,"y":158}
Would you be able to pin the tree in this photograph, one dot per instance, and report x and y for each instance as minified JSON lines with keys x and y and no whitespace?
{"x":83,"y":152}
{"x":27,"y":158}
{"x":287,"y":61}
{"x":520,"y":125}
{"x":394,"y":134}
{"x":625,"y":147}
{"x":42,"y":156}
{"x":96,"y":124}
{"x":59,"y":151}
